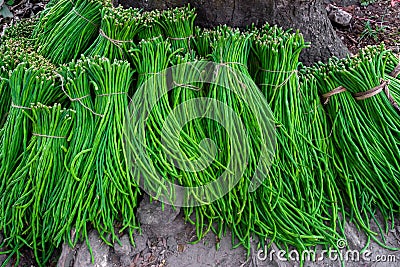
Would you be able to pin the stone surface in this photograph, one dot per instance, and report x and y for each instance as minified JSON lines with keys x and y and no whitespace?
{"x":67,"y":256}
{"x":140,"y":243}
{"x":124,"y":251}
{"x":153,"y":212}
{"x":340,"y":17}
{"x":176,"y":250}
{"x":100,"y":253}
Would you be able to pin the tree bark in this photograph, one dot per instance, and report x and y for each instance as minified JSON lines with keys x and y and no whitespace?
{"x":309,"y":16}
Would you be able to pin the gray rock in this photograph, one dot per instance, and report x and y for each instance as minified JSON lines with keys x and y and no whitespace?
{"x":204,"y":253}
{"x":140,"y":243}
{"x":100,"y":253}
{"x":340,"y":17}
{"x":152,"y":213}
{"x":171,"y":243}
{"x":355,"y":238}
{"x":67,"y":256}
{"x":124,"y":250}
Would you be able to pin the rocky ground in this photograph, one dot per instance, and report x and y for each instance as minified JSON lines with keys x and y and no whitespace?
{"x":165,"y":239}
{"x":367,"y":24}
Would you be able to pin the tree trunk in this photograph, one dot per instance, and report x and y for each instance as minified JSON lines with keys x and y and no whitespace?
{"x":308,"y":16}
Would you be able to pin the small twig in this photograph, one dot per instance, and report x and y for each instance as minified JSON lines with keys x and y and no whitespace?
{"x":371,"y":20}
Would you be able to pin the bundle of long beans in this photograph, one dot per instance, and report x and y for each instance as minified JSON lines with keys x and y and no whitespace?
{"x":302,"y":161}
{"x":66,"y":203}
{"x":276,"y":211}
{"x":17,"y":51}
{"x":118,"y":29}
{"x":364,"y":78}
{"x":109,"y":194}
{"x":149,"y":58}
{"x":364,"y":135}
{"x":155,"y":160}
{"x":392,"y":69}
{"x":201,"y":41}
{"x":316,"y":134}
{"x":12,"y":52}
{"x":55,"y":10}
{"x":29,"y":83}
{"x":178,"y":24}
{"x":51,"y":127}
{"x":195,"y":157}
{"x":151,"y":27}
{"x":22,"y":29}
{"x":392,"y":63}
{"x":230,"y":49}
{"x":30,"y":189}
{"x":5,"y":98}
{"x":71,"y":34}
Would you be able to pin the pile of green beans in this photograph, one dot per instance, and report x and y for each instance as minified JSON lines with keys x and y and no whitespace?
{"x":201,"y":41}
{"x":55,"y":10}
{"x":301,"y":152}
{"x":21,"y":30}
{"x":150,"y":57}
{"x":277,"y":211}
{"x":110,"y":194}
{"x":73,"y":33}
{"x":319,"y":165}
{"x":178,"y":24}
{"x":12,"y":52}
{"x":5,"y":101}
{"x":230,"y":49}
{"x":117,"y":32}
{"x":32,"y":188}
{"x":392,"y":73}
{"x":320,"y":148}
{"x":364,"y":133}
{"x":30,"y":82}
{"x":151,"y":27}
{"x":5,"y":95}
{"x":77,"y":87}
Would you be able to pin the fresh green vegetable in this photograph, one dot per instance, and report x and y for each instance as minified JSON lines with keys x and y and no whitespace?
{"x":178,"y":24}
{"x":117,"y":32}
{"x":365,"y":135}
{"x":67,"y":205}
{"x":32,"y":82}
{"x":73,"y":33}
{"x":31,"y":189}
{"x":151,"y":27}
{"x":107,"y":192}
